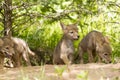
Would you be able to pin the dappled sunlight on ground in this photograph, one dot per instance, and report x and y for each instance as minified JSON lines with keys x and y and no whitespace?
{"x":91,"y":71}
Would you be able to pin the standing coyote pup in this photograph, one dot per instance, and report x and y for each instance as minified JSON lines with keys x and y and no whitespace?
{"x":63,"y":53}
{"x":22,"y":51}
{"x":95,"y":44}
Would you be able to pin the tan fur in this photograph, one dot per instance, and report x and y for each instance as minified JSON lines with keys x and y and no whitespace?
{"x":95,"y":44}
{"x":22,"y":50}
{"x":6,"y":49}
{"x":14,"y":49}
{"x":8,"y":63}
{"x":63,"y":53}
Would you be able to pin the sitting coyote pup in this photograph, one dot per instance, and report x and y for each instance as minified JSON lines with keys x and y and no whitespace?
{"x":21,"y":50}
{"x":63,"y":53}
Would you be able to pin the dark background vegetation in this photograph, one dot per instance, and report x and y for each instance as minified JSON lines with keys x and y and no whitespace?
{"x":37,"y":22}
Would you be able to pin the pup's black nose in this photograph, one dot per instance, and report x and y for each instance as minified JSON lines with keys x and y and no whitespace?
{"x":78,"y":36}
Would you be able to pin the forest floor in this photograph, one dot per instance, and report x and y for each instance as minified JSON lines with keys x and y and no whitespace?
{"x":91,"y":71}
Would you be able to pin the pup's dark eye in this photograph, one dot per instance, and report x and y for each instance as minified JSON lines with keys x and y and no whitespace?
{"x":105,"y":54}
{"x":7,"y":47}
{"x":71,"y":32}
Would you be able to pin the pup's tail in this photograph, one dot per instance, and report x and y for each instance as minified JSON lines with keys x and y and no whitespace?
{"x":30,"y":52}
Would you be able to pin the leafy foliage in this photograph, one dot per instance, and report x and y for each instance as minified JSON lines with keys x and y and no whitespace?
{"x":37,"y":21}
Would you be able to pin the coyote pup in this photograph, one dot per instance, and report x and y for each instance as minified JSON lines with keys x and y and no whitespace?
{"x":22,"y":50}
{"x":6,"y":49}
{"x":14,"y":49}
{"x":63,"y":53}
{"x":95,"y":44}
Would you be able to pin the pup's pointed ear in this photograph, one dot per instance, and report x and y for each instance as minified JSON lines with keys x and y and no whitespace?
{"x":107,"y":39}
{"x":63,"y":26}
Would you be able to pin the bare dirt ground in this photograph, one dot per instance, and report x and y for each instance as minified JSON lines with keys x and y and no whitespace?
{"x":92,"y":71}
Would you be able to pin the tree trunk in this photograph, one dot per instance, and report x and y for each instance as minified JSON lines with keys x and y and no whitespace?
{"x":8,"y":18}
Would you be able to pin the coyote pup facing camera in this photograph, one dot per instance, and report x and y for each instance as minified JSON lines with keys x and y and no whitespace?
{"x":63,"y":53}
{"x":6,"y":49}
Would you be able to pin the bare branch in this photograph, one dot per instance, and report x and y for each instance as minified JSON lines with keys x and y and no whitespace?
{"x":113,"y":22}
{"x":66,"y":12}
{"x":55,"y":16}
{"x":23,"y":5}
